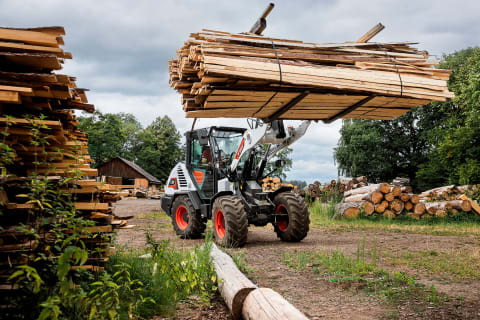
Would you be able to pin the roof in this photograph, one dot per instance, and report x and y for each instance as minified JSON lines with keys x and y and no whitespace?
{"x":140,"y":170}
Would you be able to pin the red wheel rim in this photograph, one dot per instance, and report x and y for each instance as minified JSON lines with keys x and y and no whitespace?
{"x":181,"y":217}
{"x":220,"y":224}
{"x":282,"y":225}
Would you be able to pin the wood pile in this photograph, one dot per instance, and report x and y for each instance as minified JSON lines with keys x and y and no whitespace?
{"x":317,"y":192}
{"x":221,"y":74}
{"x":41,"y":133}
{"x":273,"y":183}
{"x":392,"y":201}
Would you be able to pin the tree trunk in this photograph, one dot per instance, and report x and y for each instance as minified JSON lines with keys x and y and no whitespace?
{"x":473,"y":204}
{"x":368,"y":207}
{"x":354,"y":198}
{"x":232,"y":284}
{"x":389,"y":214}
{"x":350,"y":210}
{"x":374,"y":197}
{"x":396,"y":206}
{"x":407,"y":189}
{"x":266,"y":304}
{"x":389,"y":196}
{"x":414,"y":198}
{"x":404,"y":197}
{"x":384,"y":187}
{"x":419,"y":208}
{"x":408,"y":206}
{"x":396,"y":190}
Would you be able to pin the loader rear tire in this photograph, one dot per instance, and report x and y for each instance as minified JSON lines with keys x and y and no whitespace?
{"x":184,"y":220}
{"x":230,"y":222}
{"x":294,"y":226}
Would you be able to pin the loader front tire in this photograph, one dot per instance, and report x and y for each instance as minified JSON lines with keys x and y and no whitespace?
{"x":230,"y":222}
{"x":293,"y":222}
{"x":184,"y":220}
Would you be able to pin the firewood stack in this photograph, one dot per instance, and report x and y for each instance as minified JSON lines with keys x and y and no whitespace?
{"x":221,"y":74}
{"x":392,"y":201}
{"x":39,"y":125}
{"x":271,"y":184}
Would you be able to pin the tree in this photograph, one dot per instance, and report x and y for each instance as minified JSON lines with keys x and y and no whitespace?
{"x":158,"y":147}
{"x":110,"y":135}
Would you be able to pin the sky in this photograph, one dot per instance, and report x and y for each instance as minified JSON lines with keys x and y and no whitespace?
{"x":120,"y":48}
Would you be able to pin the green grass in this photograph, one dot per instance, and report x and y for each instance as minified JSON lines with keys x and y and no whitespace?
{"x":460,"y":264}
{"x":152,"y":215}
{"x":169,"y":276}
{"x":362,"y":273}
{"x":322,"y":215}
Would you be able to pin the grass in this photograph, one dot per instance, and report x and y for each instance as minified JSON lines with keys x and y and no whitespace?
{"x":165,"y":277}
{"x":460,"y":264}
{"x":362,"y":273}
{"x":152,"y":215}
{"x":322,"y":215}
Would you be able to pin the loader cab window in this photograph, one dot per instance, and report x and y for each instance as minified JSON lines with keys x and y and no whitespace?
{"x":201,"y":167}
{"x":226,"y":145}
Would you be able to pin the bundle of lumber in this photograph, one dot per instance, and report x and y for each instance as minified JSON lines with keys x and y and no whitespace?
{"x":392,"y":201}
{"x":273,"y":183}
{"x":221,"y":74}
{"x":42,"y":141}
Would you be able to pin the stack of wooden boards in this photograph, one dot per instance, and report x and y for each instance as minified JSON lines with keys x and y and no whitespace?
{"x":221,"y":74}
{"x":392,"y":201}
{"x":39,"y":131}
{"x":273,"y":183}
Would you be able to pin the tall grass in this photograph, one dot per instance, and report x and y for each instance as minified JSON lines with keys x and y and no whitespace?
{"x":167,"y":274}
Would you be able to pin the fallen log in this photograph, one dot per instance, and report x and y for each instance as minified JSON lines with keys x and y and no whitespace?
{"x":355,"y":198}
{"x":232,"y":284}
{"x":404,"y":197}
{"x":462,"y":205}
{"x":380,"y":187}
{"x":389,"y":196}
{"x":419,"y":208}
{"x":389,"y":214}
{"x":408,"y":206}
{"x":396,"y":190}
{"x":474,"y":204}
{"x":414,"y":198}
{"x":266,"y":304}
{"x":396,"y":206}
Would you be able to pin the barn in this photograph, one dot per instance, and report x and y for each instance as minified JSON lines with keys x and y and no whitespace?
{"x":120,"y":171}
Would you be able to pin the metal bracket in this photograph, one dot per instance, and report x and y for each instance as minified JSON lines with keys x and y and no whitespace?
{"x":349,"y":109}
{"x":261,"y":23}
{"x":287,"y":107}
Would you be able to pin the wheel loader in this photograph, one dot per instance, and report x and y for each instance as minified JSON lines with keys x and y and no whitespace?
{"x":220,"y":181}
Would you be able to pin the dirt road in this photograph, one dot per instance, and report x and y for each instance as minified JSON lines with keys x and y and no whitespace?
{"x":317,"y":297}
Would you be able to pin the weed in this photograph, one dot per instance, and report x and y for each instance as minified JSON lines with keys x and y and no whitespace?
{"x":241,"y":261}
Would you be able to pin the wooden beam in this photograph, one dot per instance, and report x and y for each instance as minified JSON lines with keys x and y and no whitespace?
{"x":371,"y":33}
{"x":10,"y":97}
{"x":348,"y":110}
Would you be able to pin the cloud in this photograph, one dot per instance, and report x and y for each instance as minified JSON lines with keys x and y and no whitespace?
{"x":121,"y":48}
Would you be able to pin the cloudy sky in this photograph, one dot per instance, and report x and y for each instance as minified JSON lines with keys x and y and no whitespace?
{"x":121,"y":47}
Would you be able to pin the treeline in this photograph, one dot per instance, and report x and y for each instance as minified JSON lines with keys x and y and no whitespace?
{"x":433,"y":145}
{"x":156,"y":148}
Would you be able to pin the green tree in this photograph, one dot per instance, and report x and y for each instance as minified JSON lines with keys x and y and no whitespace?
{"x":158,"y":148}
{"x":110,"y":135}
{"x":456,"y":137}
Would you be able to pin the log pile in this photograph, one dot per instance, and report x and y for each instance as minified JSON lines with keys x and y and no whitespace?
{"x":273,"y":183}
{"x":221,"y":74}
{"x":334,"y":189}
{"x":392,"y":201}
{"x":41,"y":136}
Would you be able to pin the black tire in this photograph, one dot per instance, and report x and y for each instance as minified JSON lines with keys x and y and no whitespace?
{"x":184,"y":220}
{"x":230,"y":222}
{"x":294,"y":227}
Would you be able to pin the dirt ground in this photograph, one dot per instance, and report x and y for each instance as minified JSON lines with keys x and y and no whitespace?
{"x":318,"y":298}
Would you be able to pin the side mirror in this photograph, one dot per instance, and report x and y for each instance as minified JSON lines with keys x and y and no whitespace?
{"x":279,"y":163}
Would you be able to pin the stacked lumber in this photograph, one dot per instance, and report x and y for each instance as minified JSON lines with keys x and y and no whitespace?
{"x":451,"y":199}
{"x":41,"y":133}
{"x":221,"y":74}
{"x":274,"y":183}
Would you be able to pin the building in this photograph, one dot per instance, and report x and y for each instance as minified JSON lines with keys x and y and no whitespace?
{"x":120,"y":171}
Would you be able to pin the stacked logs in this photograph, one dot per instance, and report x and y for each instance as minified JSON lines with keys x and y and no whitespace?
{"x":380,"y":199}
{"x":317,"y":192}
{"x":273,"y":183}
{"x":41,"y":142}
{"x":392,"y":201}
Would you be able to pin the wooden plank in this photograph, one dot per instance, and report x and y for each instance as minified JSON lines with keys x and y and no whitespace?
{"x":371,"y":33}
{"x":30,"y":37}
{"x":10,"y":97}
{"x":91,"y":206}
